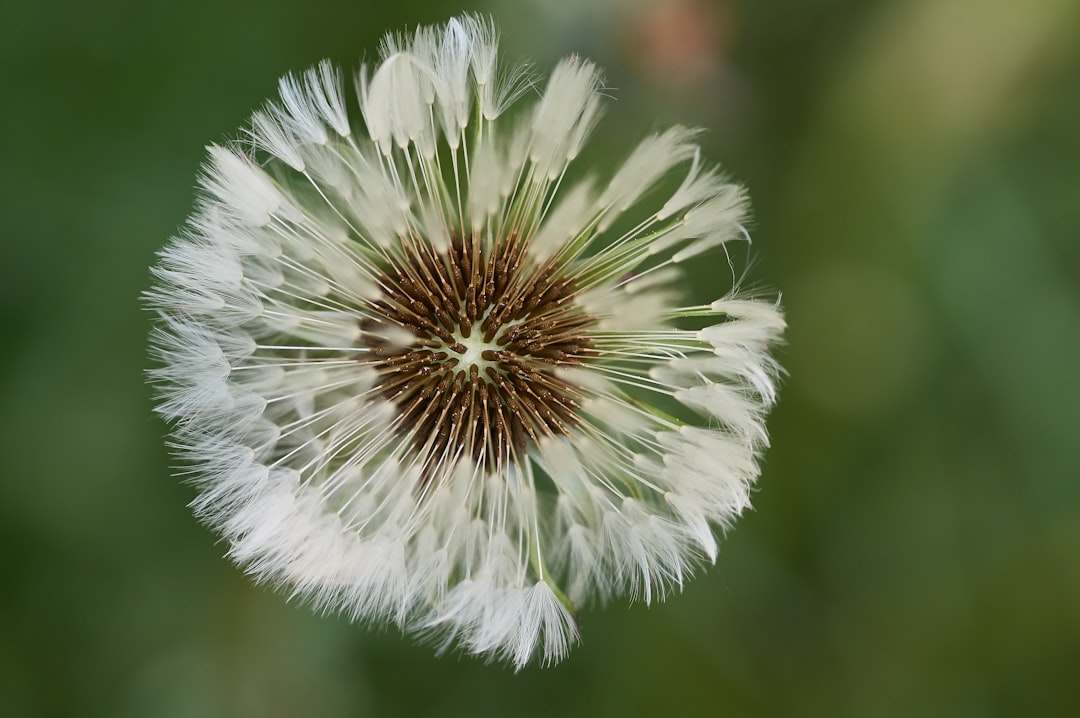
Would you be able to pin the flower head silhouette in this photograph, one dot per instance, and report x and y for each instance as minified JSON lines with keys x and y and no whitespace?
{"x":419,"y":379}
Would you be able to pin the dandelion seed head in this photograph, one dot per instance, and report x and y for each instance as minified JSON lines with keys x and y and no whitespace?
{"x":418,"y":380}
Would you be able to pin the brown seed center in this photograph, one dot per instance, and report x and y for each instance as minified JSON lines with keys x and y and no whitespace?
{"x":486,"y":328}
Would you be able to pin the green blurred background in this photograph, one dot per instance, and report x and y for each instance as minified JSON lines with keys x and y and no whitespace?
{"x":915,"y":548}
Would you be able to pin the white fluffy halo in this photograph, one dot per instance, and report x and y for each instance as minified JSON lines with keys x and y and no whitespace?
{"x":419,"y":379}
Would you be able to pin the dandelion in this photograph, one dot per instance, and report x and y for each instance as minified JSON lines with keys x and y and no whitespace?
{"x":422,"y":377}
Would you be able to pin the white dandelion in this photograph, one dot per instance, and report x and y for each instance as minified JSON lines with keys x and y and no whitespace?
{"x":419,"y":379}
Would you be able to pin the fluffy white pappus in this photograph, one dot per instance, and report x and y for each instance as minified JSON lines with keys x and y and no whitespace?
{"x":720,"y":488}
{"x":575,"y":211}
{"x":449,"y":57}
{"x":218,"y":295}
{"x":323,"y":90}
{"x":241,"y":190}
{"x":480,"y":35}
{"x":489,"y":175}
{"x":714,"y":222}
{"x":300,"y":112}
{"x":649,"y":161}
{"x":192,"y":369}
{"x":270,"y":134}
{"x":568,"y":111}
{"x":700,"y":184}
{"x":643,"y":550}
{"x":754,"y":321}
{"x":376,"y":208}
{"x":472,"y":42}
{"x":506,"y":622}
{"x":419,"y":380}
{"x":620,"y":309}
{"x":653,"y":281}
{"x":393,"y":103}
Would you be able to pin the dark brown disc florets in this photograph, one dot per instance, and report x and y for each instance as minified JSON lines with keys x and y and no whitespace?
{"x":486,"y":328}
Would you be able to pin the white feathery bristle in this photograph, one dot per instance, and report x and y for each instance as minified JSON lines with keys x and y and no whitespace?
{"x":213,"y":224}
{"x":755,"y":314}
{"x":435,"y":227}
{"x":643,"y":550}
{"x":564,"y":116}
{"x":271,"y":136}
{"x":590,"y":116}
{"x":654,"y":279}
{"x":324,"y":165}
{"x":573,"y":213}
{"x":487,"y":177}
{"x":482,"y":39}
{"x":578,"y":557}
{"x":298,"y":112}
{"x":729,"y":406}
{"x":555,"y":628}
{"x":451,"y":59}
{"x":324,"y":89}
{"x":699,"y":185}
{"x":379,"y":206}
{"x":612,"y":413}
{"x":565,"y":468}
{"x":392,"y":102}
{"x":424,"y":50}
{"x":649,"y":161}
{"x":696,"y":523}
{"x":496,"y":88}
{"x":714,"y":222}
{"x":709,"y":468}
{"x":242,"y":189}
{"x":618,"y":310}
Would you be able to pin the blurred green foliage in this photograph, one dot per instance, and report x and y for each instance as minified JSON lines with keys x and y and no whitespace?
{"x":915,"y":548}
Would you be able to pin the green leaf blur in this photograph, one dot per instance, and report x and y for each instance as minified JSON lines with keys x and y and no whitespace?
{"x":915,"y":544}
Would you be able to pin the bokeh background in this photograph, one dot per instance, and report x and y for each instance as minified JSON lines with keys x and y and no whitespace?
{"x":915,"y":548}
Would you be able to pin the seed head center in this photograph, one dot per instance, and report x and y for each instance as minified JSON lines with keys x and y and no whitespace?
{"x":475,"y":347}
{"x":489,"y":330}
